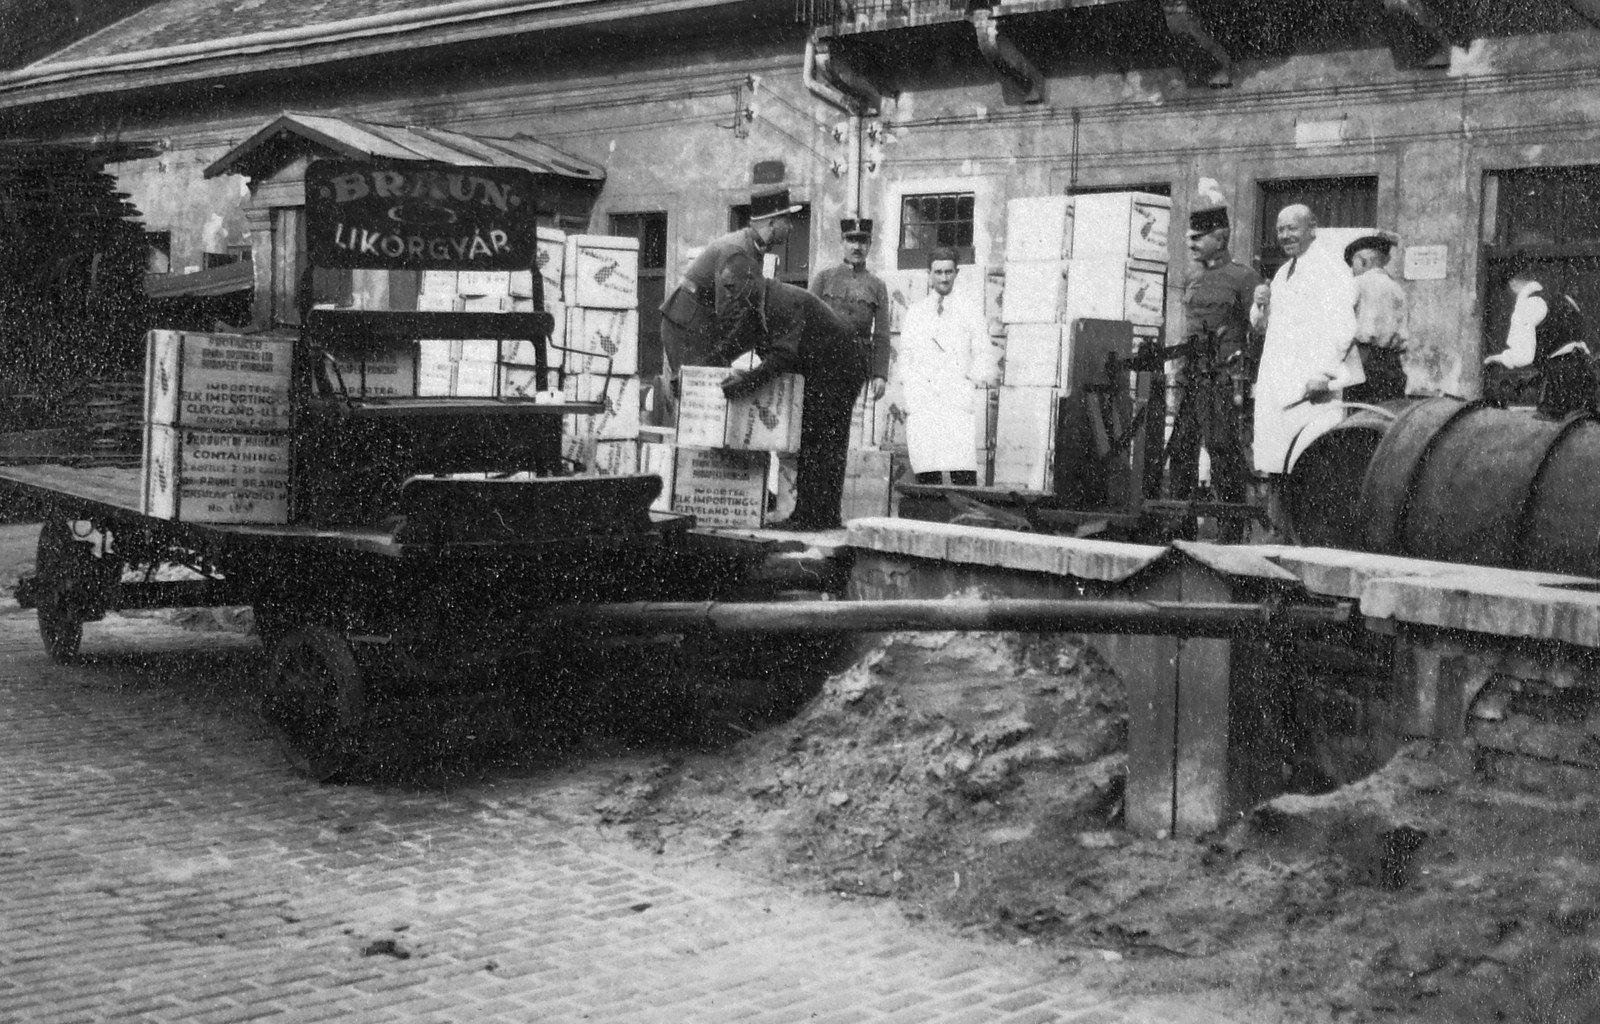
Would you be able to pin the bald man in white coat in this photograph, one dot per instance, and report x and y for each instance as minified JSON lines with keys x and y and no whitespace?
{"x":1309,"y":356}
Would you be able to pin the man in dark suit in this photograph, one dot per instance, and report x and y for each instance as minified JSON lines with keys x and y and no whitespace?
{"x":794,"y":331}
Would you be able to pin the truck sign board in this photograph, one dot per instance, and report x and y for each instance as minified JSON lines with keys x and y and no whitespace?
{"x":405,"y":215}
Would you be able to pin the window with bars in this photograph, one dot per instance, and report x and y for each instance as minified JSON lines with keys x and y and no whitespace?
{"x":1337,"y":202}
{"x":1550,"y":216}
{"x":935,"y":221}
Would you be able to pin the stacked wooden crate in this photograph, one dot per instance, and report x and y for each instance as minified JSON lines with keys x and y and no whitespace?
{"x":1038,"y":244}
{"x":1093,"y":257}
{"x":717,"y":463}
{"x":600,"y":350}
{"x":216,"y":428}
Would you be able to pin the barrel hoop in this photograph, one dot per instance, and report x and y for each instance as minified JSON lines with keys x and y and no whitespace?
{"x":1383,"y":536}
{"x":1417,"y":467}
{"x":1520,"y":539}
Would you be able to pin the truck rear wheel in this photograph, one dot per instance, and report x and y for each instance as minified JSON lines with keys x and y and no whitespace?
{"x":69,"y":587}
{"x":316,"y":702}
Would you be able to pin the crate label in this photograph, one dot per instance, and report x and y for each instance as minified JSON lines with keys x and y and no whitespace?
{"x":769,"y":419}
{"x":720,"y":488}
{"x":203,"y":476}
{"x":602,"y":272}
{"x":611,"y":335}
{"x":702,"y":410}
{"x":217,"y":381}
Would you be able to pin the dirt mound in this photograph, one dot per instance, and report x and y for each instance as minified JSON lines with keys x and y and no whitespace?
{"x":975,"y":780}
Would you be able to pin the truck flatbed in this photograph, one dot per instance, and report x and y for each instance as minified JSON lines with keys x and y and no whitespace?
{"x":113,"y":491}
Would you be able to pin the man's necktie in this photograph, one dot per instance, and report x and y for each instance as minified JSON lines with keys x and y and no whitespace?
{"x":1292,"y":262}
{"x":938,"y":306}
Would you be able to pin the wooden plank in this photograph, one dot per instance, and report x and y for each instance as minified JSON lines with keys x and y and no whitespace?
{"x":1148,"y":667}
{"x":1202,"y":716}
{"x":116,"y":486}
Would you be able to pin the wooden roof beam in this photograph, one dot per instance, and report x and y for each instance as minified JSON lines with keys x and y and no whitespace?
{"x":1021,"y":81}
{"x":1208,"y":60}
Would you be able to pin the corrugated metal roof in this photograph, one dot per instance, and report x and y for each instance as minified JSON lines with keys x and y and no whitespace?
{"x":349,"y":137}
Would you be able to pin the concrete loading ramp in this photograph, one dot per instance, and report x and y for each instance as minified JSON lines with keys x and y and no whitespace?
{"x":1198,"y":754}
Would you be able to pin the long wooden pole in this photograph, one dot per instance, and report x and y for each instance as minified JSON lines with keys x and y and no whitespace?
{"x":1157,"y":618}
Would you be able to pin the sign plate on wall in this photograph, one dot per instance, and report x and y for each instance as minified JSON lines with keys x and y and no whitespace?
{"x":399,"y":215}
{"x":1426,"y":262}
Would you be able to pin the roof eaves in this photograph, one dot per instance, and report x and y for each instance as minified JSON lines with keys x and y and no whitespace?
{"x":372,"y":35}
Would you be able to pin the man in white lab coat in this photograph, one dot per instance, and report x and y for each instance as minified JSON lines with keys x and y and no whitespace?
{"x":1309,"y":356}
{"x":939,"y":341}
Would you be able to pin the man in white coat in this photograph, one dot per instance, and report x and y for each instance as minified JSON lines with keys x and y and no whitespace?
{"x":1309,"y":356}
{"x":939,"y":340}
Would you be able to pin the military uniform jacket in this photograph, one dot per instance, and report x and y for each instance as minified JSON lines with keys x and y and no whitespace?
{"x":717,"y":282}
{"x":1218,"y":299}
{"x":862,"y":300}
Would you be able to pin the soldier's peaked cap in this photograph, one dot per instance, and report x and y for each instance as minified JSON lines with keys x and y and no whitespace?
{"x":774,"y":203}
{"x":856,"y":227}
{"x":1208,"y":219}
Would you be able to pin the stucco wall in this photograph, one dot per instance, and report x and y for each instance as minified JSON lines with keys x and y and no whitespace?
{"x":662,"y":126}
{"x":203,"y":216}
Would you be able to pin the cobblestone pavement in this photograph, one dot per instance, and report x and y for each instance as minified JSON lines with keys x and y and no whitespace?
{"x":158,"y":863}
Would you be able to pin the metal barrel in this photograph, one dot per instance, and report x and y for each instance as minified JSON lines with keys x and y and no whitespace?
{"x":1467,"y":482}
{"x":1322,"y":490}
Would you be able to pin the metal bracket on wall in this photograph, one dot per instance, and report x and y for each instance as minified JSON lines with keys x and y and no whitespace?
{"x":1016,"y":70}
{"x":859,"y":95}
{"x":1420,"y":19}
{"x":1190,"y":27}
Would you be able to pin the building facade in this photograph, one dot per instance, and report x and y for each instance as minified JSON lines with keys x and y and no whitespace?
{"x":1466,"y":130}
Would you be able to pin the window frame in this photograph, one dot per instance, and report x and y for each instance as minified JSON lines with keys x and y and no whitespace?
{"x":1561,"y":264}
{"x":916,"y":258}
{"x":1268,"y":252}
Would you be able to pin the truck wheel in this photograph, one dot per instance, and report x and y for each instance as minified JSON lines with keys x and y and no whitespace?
{"x":69,"y":588}
{"x":315,"y":702}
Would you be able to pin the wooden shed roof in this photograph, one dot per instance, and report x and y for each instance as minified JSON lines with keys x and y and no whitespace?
{"x":288,"y":136}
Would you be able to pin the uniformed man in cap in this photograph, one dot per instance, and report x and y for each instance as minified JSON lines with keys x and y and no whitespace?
{"x":1381,"y":321}
{"x":860,"y":298}
{"x":1216,"y":306}
{"x":794,"y":331}
{"x":717,"y":291}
